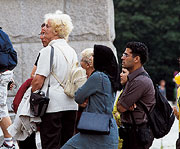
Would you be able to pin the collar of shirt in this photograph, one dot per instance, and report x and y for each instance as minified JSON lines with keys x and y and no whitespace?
{"x":135,"y":73}
{"x":57,"y":40}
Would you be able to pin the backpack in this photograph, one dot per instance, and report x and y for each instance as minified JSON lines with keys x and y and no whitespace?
{"x":76,"y":77}
{"x":8,"y":56}
{"x":161,"y":116}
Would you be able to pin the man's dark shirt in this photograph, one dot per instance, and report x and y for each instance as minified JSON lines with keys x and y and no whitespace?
{"x":37,"y":60}
{"x":138,"y":87}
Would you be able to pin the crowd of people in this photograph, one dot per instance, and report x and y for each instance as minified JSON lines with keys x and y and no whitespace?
{"x":108,"y":90}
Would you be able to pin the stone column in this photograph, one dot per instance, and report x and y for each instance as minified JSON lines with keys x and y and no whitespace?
{"x":21,"y":19}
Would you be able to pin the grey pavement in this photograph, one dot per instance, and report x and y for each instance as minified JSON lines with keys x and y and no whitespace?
{"x":167,"y":142}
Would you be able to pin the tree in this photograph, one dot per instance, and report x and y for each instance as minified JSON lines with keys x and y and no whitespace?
{"x":157,"y":24}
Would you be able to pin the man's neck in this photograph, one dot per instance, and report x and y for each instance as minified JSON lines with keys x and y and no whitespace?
{"x":134,"y":68}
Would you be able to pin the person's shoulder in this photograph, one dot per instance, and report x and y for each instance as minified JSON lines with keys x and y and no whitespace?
{"x":60,"y":43}
{"x":143,"y":79}
{"x":45,"y":49}
{"x":64,"y":46}
{"x":97,"y":75}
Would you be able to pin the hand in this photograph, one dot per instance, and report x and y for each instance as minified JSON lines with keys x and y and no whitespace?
{"x":11,"y":84}
{"x":132,"y":107}
{"x":176,"y":112}
{"x":116,"y":114}
{"x":117,"y":118}
{"x":84,"y":104}
{"x":124,"y":75}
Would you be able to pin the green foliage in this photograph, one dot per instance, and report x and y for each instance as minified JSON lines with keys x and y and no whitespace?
{"x":157,"y":24}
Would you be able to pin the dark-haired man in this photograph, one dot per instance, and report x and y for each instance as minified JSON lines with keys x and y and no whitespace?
{"x":139,"y":88}
{"x":31,"y":139}
{"x":45,"y":43}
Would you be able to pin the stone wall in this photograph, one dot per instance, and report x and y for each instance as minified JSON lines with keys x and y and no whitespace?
{"x":93,"y":24}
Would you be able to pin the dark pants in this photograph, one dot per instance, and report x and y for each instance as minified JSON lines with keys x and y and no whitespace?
{"x":56,"y":129}
{"x":178,"y":142}
{"x":28,"y":143}
{"x":78,"y":116}
{"x":131,"y":139}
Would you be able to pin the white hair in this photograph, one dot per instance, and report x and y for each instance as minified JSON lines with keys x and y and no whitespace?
{"x":86,"y":55}
{"x":61,"y":23}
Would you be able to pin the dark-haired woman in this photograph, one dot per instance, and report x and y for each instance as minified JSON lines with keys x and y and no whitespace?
{"x":100,"y":88}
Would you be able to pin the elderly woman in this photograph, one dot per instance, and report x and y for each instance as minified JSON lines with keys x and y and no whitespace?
{"x":87,"y":61}
{"x":57,"y":124}
{"x":100,"y":88}
{"x":87,"y":64}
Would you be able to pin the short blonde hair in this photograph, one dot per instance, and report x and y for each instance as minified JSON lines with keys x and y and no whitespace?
{"x":61,"y":23}
{"x":86,"y":55}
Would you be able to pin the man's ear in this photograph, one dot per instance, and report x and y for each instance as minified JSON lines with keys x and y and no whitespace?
{"x":137,"y":59}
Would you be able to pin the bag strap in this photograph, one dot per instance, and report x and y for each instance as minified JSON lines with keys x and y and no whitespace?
{"x":145,"y":109}
{"x":64,"y":56}
{"x":141,"y":104}
{"x":55,"y":76}
{"x":51,"y":62}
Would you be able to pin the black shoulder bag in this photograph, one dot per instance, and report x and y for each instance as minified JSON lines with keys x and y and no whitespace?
{"x":38,"y":100}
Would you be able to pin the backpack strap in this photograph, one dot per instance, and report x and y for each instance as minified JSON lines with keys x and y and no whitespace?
{"x":145,"y":109}
{"x":55,"y":76}
{"x":64,"y":55}
{"x":141,"y":104}
{"x":144,"y":74}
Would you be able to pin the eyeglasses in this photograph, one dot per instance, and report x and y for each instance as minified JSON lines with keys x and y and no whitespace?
{"x":125,"y":55}
{"x":47,"y":26}
{"x":41,"y":34}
